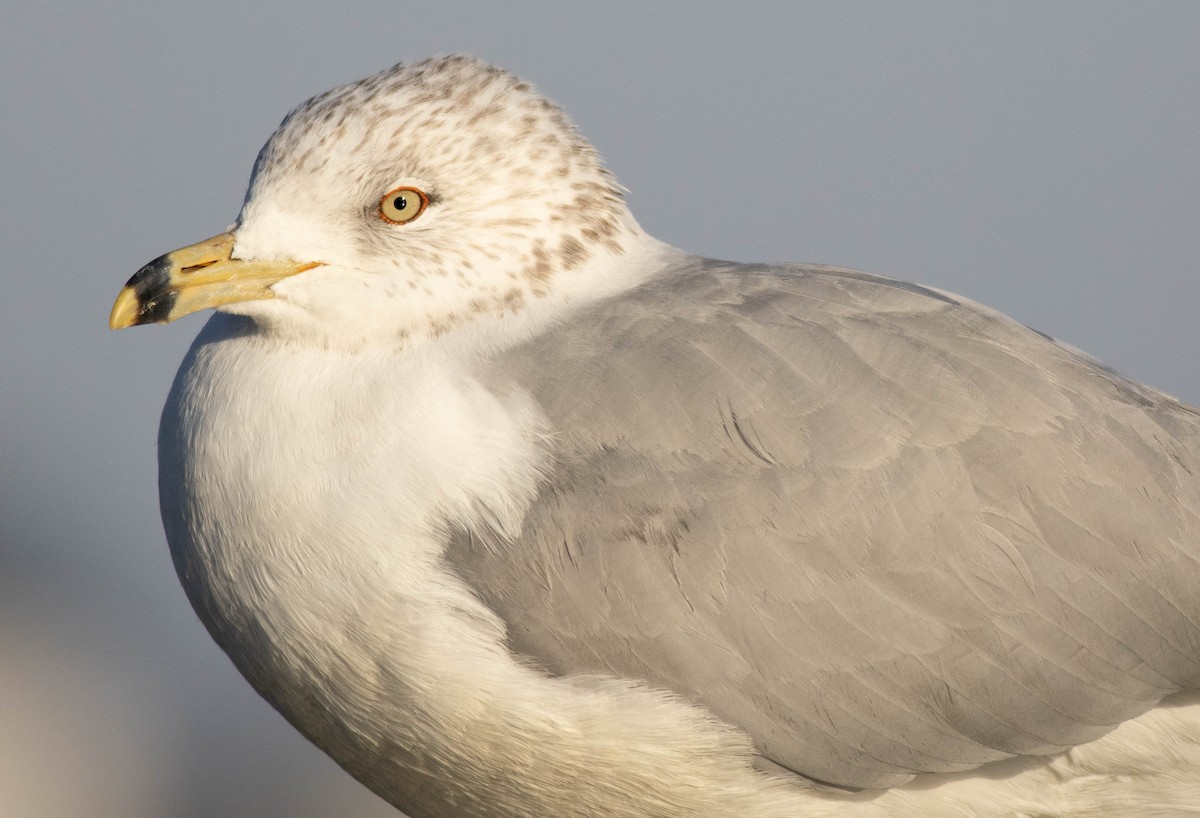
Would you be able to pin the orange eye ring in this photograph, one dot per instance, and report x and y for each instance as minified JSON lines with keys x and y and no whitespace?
{"x":403,"y":205}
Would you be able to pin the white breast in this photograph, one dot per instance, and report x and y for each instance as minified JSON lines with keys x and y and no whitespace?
{"x":305,"y":494}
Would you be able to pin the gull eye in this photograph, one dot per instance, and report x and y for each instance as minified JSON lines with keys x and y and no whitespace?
{"x":402,"y":205}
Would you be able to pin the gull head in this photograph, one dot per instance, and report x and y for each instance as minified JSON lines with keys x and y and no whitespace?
{"x":401,"y":207}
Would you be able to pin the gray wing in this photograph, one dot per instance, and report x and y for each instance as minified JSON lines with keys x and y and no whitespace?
{"x":882,"y":529}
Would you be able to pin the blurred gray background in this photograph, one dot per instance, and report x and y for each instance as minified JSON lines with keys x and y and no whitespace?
{"x":1041,"y":158}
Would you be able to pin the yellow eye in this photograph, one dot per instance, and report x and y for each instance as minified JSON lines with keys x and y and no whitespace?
{"x":402,"y":205}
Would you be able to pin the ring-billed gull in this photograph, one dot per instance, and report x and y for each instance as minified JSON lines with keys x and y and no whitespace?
{"x":516,"y":511}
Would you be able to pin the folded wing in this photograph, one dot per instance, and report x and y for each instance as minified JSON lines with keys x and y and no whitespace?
{"x":882,"y":529}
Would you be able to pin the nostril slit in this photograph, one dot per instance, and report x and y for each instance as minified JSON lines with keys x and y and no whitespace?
{"x":194,"y":267}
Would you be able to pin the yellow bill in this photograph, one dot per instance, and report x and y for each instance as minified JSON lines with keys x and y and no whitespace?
{"x":197,"y":277}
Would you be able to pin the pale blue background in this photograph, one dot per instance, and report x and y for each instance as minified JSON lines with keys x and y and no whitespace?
{"x":1041,"y":158}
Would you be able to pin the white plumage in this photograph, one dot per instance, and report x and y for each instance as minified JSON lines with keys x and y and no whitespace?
{"x":516,"y":511}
